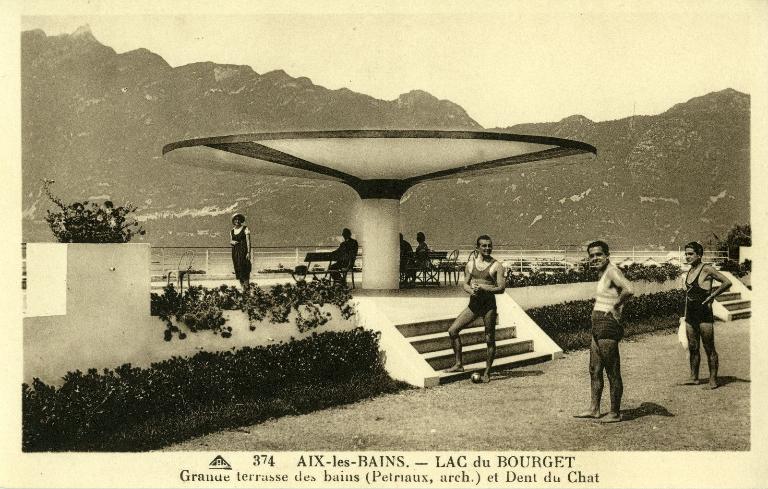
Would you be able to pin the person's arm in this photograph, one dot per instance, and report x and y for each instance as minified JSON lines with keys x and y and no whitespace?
{"x":247,"y":243}
{"x":468,"y":288}
{"x":232,"y":240}
{"x":337,"y":253}
{"x":621,"y":284}
{"x":725,"y":283}
{"x":497,"y":272}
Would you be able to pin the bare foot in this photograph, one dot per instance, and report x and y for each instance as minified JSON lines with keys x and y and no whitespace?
{"x":455,"y":368}
{"x":588,"y":414}
{"x":691,"y":381}
{"x":713,"y":384}
{"x":611,"y":418}
{"x":486,"y":378}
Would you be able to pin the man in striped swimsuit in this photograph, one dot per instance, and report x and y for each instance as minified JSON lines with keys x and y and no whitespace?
{"x":613,"y":290}
{"x":483,"y":278}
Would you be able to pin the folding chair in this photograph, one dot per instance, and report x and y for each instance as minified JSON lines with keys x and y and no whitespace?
{"x":185,"y":269}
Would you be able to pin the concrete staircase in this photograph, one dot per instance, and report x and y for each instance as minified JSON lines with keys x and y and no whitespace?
{"x":430,"y":339}
{"x":735,"y":305}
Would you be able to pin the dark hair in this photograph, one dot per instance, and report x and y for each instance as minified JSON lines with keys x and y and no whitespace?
{"x":420,"y":237}
{"x":696,"y":247}
{"x":602,"y":244}
{"x":483,"y":236}
{"x":346,"y":233}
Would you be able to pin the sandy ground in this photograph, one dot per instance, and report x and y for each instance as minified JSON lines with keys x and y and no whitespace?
{"x":531,"y":408}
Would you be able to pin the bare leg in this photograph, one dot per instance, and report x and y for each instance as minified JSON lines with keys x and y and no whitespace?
{"x":611,"y":359}
{"x":694,"y":354}
{"x":596,"y":382}
{"x":490,"y":340}
{"x":464,"y":318}
{"x":708,"y":339}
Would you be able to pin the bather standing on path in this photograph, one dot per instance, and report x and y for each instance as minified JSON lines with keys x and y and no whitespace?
{"x":699,"y":320}
{"x":240,"y":240}
{"x":613,"y":291}
{"x":483,"y":277}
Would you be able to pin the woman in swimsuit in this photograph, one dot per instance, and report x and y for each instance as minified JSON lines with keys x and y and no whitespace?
{"x":483,"y":277}
{"x":699,"y":320}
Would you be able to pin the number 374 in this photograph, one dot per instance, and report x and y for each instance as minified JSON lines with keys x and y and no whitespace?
{"x":260,"y":460}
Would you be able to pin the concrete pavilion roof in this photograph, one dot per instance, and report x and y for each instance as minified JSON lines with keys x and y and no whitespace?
{"x":376,"y":163}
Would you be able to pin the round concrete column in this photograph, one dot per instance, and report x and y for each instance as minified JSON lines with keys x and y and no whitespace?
{"x":380,"y":225}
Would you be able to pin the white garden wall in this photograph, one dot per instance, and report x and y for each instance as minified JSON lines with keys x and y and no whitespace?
{"x":104,"y":319}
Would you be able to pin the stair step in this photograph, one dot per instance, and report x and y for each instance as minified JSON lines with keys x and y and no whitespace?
{"x":737,"y":305}
{"x":728,"y":296}
{"x":470,"y":336}
{"x":442,"y":359}
{"x":431,"y":326}
{"x":741,"y":315}
{"x":503,"y":363}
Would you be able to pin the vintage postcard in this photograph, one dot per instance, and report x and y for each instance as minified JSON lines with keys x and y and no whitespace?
{"x":345,"y":244}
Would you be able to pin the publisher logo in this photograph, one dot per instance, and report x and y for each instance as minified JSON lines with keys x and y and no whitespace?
{"x":219,"y":463}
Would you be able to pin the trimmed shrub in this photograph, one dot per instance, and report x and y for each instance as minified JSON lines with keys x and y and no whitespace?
{"x":570,"y":321}
{"x":89,"y":408}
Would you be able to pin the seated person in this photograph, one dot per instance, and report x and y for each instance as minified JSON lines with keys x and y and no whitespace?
{"x":344,"y":256}
{"x":421,"y":257}
{"x":407,"y":272}
{"x":406,"y":253}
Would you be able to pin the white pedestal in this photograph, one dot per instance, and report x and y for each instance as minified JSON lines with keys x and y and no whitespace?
{"x":380,"y":224}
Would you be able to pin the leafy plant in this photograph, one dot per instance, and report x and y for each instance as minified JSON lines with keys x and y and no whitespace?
{"x":201,"y":308}
{"x":89,"y":222}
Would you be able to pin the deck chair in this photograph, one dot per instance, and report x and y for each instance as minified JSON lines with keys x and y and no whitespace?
{"x":185,"y":268}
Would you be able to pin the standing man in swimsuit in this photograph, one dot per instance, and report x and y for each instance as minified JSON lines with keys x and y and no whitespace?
{"x":483,"y":277}
{"x":699,"y":321}
{"x":613,"y":291}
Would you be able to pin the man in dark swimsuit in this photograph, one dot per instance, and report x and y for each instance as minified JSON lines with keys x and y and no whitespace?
{"x":699,"y":320}
{"x":483,"y":277}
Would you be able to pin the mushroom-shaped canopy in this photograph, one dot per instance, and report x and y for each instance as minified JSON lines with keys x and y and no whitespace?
{"x":376,"y":163}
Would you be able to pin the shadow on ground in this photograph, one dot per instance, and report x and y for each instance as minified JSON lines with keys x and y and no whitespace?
{"x":729,"y":379}
{"x":646,"y":409}
{"x":509,"y":374}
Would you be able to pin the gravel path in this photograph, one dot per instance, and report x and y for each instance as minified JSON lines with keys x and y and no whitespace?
{"x":531,"y":409}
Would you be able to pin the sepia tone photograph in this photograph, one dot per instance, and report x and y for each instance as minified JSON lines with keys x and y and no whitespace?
{"x":458,"y":246}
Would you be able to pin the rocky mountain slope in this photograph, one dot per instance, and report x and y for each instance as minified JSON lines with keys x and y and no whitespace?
{"x":95,"y":121}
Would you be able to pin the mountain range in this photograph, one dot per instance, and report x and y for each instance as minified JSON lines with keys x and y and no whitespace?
{"x":95,"y":121}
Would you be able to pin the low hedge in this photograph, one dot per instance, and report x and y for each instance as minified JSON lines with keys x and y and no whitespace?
{"x":90,"y":409}
{"x":568,"y":324}
{"x":634,"y":272}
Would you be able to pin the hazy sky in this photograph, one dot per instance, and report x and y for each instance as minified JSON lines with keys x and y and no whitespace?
{"x":503,"y":65}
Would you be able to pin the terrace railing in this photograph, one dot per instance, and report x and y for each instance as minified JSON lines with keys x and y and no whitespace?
{"x":217,"y":261}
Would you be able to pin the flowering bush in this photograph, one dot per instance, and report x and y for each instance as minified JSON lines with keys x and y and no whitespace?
{"x":201,"y":308}
{"x":89,"y":222}
{"x":87,"y":411}
{"x":305,"y":298}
